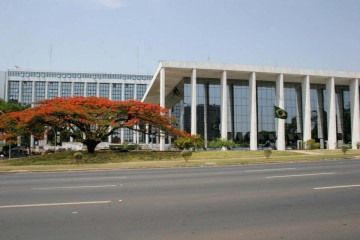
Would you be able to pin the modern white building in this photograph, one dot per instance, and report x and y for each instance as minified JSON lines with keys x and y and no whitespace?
{"x":237,"y":102}
{"x":29,"y":86}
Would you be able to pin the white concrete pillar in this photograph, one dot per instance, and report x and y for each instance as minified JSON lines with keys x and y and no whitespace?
{"x":320,"y":114}
{"x":306,"y":106}
{"x":122,"y":134}
{"x":280,"y":131}
{"x":147,"y":134}
{"x":193,"y":102}
{"x":31,"y":141}
{"x":59,"y":89}
{"x":72,"y":88}
{"x":20,"y":91}
{"x":223,"y":87}
{"x":354,"y":109}
{"x":253,"y":112}
{"x":97,"y":89}
{"x":86,"y":89}
{"x":162,"y":104}
{"x":331,"y":113}
{"x":110,"y":91}
{"x":339,"y":108}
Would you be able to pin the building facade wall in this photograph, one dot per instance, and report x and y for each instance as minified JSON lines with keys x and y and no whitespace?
{"x":320,"y":104}
{"x":28,"y":87}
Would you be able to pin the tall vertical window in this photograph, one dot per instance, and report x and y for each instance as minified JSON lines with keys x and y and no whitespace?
{"x":140,"y":91}
{"x":53,"y":89}
{"x":91,"y":89}
{"x":129,"y":91}
{"x":318,"y":98}
{"x":65,"y":89}
{"x":39,"y":91}
{"x":343,"y":115}
{"x":26,"y":95}
{"x":79,"y":89}
{"x":293,"y":106}
{"x":265,"y":112}
{"x":240,"y":107}
{"x":116,"y":91}
{"x":14,"y":90}
{"x":104,"y":90}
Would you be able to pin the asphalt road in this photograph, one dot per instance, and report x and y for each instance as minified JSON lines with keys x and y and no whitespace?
{"x":276,"y":201}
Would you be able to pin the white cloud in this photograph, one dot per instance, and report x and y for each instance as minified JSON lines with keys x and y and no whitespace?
{"x":113,"y":4}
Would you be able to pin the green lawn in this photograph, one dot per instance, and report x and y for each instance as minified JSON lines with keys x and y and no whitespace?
{"x":62,"y":161}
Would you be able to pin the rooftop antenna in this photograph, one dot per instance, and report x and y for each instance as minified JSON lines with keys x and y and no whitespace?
{"x":137,"y":60}
{"x":50,"y":57}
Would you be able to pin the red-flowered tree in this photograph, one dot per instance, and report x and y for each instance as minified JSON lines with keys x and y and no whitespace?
{"x":90,"y":119}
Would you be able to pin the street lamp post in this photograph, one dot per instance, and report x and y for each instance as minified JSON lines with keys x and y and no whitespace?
{"x":10,"y":141}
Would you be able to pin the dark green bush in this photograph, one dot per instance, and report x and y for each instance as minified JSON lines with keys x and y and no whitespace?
{"x":186,"y":154}
{"x":124,"y":147}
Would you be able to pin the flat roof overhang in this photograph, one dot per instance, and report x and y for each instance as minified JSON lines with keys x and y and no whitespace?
{"x":176,"y":71}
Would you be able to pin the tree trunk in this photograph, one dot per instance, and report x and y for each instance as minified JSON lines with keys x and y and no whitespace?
{"x":91,"y":145}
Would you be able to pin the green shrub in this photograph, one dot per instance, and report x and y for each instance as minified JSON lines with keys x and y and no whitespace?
{"x":78,"y":157}
{"x":189,"y":142}
{"x":186,"y":154}
{"x":124,"y":147}
{"x":219,"y":143}
{"x":267,"y":153}
{"x":311,"y":144}
{"x":345,"y":148}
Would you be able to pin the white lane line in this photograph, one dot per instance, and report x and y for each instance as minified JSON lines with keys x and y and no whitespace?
{"x":80,"y":178}
{"x":334,"y":187}
{"x":74,"y":187}
{"x":301,"y":175}
{"x":269,"y":170}
{"x":53,"y":204}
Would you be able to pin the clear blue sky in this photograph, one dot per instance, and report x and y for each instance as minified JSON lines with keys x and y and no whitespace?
{"x":133,"y":35}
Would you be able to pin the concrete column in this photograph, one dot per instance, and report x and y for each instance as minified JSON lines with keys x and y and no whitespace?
{"x":354,"y":109}
{"x":122,"y":98}
{"x":280,"y":131}
{"x":339,"y":106}
{"x":97,"y":89}
{"x":147,"y":134}
{"x":298,"y":111}
{"x":162,"y":104}
{"x":306,"y":106}
{"x":85,"y":89}
{"x":135,"y":91}
{"x":31,"y":141}
{"x":331,"y":113}
{"x":223,"y":86}
{"x":193,"y":102}
{"x":20,"y":91}
{"x":59,"y":89}
{"x":72,"y":88}
{"x":110,"y":91}
{"x":253,"y":112}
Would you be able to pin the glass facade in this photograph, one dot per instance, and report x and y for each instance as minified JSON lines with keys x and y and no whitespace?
{"x":104,"y":90}
{"x":266,"y":99}
{"x":53,"y":90}
{"x":26,"y":93}
{"x":65,"y":89}
{"x":14,"y":90}
{"x":318,"y":98}
{"x":117,"y":91}
{"x":140,"y":91}
{"x":91,"y":89}
{"x":79,"y":88}
{"x":40,"y":91}
{"x":129,"y":91}
{"x":343,"y":115}
{"x":293,"y":106}
{"x":239,"y":109}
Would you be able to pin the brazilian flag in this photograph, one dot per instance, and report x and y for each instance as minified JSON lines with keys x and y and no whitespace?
{"x":280,"y":113}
